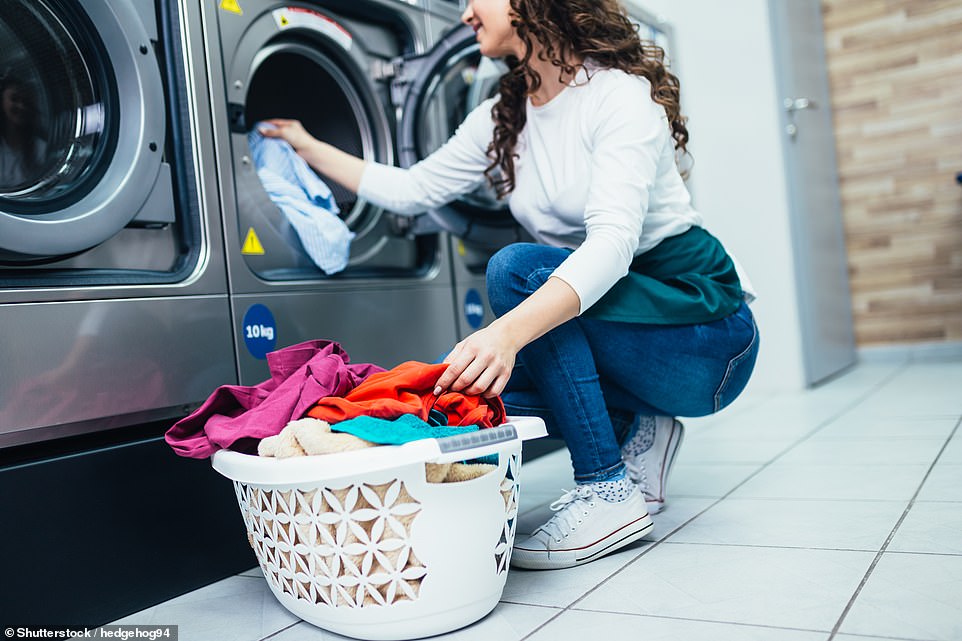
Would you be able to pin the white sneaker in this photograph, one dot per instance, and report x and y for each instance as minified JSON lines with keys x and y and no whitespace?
{"x":584,"y":528}
{"x":650,"y":469}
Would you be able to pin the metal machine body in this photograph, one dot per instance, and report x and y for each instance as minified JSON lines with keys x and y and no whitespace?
{"x":113,"y":293}
{"x":331,"y":65}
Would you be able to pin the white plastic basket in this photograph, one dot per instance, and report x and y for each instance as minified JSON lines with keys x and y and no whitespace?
{"x":359,"y":543}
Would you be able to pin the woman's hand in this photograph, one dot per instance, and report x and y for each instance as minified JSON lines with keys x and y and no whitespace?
{"x":290,"y":130}
{"x":481,"y":364}
{"x":326,"y":159}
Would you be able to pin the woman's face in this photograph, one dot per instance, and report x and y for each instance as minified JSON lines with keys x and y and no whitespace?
{"x":16,"y":104}
{"x":491,"y":20}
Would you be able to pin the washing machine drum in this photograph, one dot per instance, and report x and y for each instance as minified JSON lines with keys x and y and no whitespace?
{"x":71,"y":79}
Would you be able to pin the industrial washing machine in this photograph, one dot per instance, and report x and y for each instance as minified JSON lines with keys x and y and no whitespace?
{"x":113,"y":308}
{"x":352,"y":72}
{"x":112,"y":290}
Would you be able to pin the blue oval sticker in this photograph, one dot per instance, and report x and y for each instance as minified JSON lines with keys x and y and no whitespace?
{"x":259,"y":329}
{"x":473,"y":308}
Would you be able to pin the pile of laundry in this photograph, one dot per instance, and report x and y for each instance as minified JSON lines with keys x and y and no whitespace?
{"x":317,"y":402}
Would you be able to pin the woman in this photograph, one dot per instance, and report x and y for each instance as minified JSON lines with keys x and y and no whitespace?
{"x":625,"y":313}
{"x":21,"y":147}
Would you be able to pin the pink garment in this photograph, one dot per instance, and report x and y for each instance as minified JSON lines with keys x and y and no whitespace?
{"x":237,"y":417}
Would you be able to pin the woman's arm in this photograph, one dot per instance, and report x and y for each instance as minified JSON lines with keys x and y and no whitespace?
{"x":339,"y":166}
{"x":482,"y":362}
{"x":454,"y":169}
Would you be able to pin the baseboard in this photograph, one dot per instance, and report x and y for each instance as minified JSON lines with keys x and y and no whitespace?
{"x":911,"y":352}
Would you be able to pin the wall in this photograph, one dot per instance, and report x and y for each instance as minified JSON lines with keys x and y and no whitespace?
{"x":895,"y":69}
{"x":724,"y":60}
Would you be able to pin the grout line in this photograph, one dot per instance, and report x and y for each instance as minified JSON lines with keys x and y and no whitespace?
{"x":284,"y":629}
{"x":780,"y":547}
{"x":655,"y":544}
{"x":888,"y":539}
{"x":910,"y":552}
{"x":870,"y":637}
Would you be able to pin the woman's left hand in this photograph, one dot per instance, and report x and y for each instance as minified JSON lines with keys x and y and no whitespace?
{"x":481,"y":364}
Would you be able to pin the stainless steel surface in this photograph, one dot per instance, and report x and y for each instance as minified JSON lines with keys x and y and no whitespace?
{"x":383,"y":324}
{"x":135,"y":155}
{"x":394,"y":302}
{"x":71,"y":367}
{"x":137,"y":328}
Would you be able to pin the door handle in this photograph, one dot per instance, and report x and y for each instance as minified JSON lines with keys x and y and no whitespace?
{"x":797,"y":104}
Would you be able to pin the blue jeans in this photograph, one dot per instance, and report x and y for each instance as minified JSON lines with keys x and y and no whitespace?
{"x":588,"y":378}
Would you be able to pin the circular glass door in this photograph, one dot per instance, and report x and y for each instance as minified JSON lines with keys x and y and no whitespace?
{"x":71,"y":77}
{"x":52,"y":100}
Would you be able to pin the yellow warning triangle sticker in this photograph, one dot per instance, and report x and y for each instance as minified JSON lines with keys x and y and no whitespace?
{"x":252,"y":244}
{"x":233,"y":7}
{"x":284,"y":21}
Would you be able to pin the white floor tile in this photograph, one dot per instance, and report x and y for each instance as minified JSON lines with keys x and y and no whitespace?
{"x":919,"y":390}
{"x":235,"y":609}
{"x":865,"y":637}
{"x":953,"y":451}
{"x":848,"y":482}
{"x":782,"y":587}
{"x":900,"y":429}
{"x":914,"y":596}
{"x":943,"y":484}
{"x":577,"y":625}
{"x":708,"y":480}
{"x":712,"y":449}
{"x":561,"y":588}
{"x":848,"y":525}
{"x":678,"y":511}
{"x":863,"y":451}
{"x":508,"y":622}
{"x":930,"y":527}
{"x":546,"y":474}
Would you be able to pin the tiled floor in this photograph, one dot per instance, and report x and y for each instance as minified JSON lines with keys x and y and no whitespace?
{"x":834,"y":513}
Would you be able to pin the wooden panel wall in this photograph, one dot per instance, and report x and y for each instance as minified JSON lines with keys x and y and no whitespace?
{"x":895,"y":68}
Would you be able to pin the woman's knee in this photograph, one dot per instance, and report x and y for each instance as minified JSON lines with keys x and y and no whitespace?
{"x":515,"y":271}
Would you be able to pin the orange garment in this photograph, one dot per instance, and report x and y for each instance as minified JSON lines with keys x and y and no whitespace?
{"x":409,"y":389}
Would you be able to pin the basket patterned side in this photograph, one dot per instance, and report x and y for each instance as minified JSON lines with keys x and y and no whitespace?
{"x":510,"y":488}
{"x":341,"y":547}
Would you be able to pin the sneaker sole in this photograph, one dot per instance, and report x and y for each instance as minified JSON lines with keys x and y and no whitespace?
{"x":536,"y":560}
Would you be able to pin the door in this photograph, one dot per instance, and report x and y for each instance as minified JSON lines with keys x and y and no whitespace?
{"x":75,"y":77}
{"x":828,"y":338}
{"x":435,"y":92}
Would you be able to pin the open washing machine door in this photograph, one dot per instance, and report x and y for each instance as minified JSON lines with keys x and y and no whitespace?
{"x":320,"y":67}
{"x":80,"y":158}
{"x":435,"y":92}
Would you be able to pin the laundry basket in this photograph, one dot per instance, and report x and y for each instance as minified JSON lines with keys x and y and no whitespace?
{"x":359,"y":543}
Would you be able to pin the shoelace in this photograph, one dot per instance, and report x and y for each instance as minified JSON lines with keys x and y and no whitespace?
{"x":570,"y":511}
{"x":638,"y":472}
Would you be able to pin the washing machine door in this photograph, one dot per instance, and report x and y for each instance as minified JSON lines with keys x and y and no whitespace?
{"x":436,"y":92}
{"x":82,"y":124}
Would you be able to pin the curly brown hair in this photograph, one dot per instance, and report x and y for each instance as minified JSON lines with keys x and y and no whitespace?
{"x":598,"y":29}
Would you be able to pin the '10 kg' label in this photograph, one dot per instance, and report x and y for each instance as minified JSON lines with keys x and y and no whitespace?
{"x":259,"y":331}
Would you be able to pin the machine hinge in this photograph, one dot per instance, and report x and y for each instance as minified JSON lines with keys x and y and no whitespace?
{"x":382,"y":70}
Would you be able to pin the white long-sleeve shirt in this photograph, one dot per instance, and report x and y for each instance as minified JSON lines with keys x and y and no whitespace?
{"x":596,"y":173}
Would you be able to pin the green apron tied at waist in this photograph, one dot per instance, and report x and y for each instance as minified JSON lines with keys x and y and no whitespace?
{"x":684,"y":279}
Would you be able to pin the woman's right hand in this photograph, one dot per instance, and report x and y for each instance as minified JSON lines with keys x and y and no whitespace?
{"x":326,"y":159}
{"x":291,"y":131}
